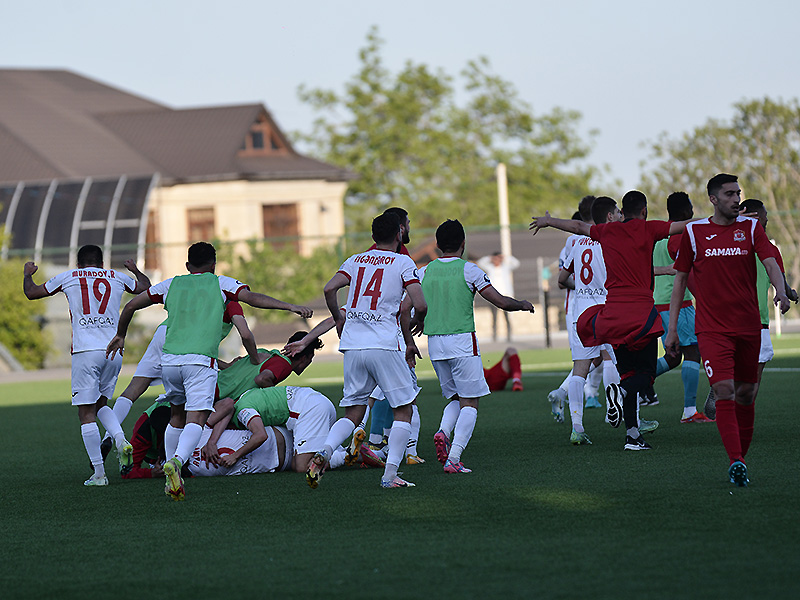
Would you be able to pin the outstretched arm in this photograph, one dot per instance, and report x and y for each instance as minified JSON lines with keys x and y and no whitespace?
{"x":142,"y":281}
{"x":570,"y":225}
{"x":32,"y":291}
{"x":679,"y":226}
{"x":248,"y":339}
{"x":117,"y":343}
{"x":300,"y":345}
{"x":257,"y":300}
{"x":504,"y":302}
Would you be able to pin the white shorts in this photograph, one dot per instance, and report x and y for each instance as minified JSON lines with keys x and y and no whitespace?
{"x":462,"y":376}
{"x":150,"y":364}
{"x":766,"y":353}
{"x":93,"y":376}
{"x":192,"y":385}
{"x":581,"y":352}
{"x":310,"y":420}
{"x":388,"y":369}
{"x":378,"y":394}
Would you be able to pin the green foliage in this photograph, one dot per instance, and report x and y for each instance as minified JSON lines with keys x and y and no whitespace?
{"x":284,"y":274}
{"x":760,"y":144}
{"x":20,"y":319}
{"x":415,"y":141}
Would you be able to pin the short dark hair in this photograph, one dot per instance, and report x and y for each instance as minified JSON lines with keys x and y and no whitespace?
{"x":576,"y":216}
{"x":585,"y":208}
{"x":90,"y":256}
{"x":308,"y":350}
{"x":632,"y":203}
{"x":601,"y":207}
{"x":385,"y":227}
{"x":717,"y":181}
{"x":678,"y":204}
{"x":201,"y":254}
{"x":752,"y":205}
{"x":450,"y":235}
{"x":401,"y":213}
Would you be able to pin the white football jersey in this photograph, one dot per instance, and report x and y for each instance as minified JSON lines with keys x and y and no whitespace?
{"x":585,"y":260}
{"x":377,"y":281}
{"x":263,"y":459}
{"x":94,"y":296}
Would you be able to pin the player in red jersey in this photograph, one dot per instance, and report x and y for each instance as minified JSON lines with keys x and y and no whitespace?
{"x":720,"y":252}
{"x":508,"y":367}
{"x":628,"y":320}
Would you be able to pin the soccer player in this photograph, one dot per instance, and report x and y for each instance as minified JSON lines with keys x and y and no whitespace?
{"x":377,"y":280}
{"x":507,"y":368}
{"x":148,"y":371}
{"x":720,"y":252}
{"x":628,"y":320}
{"x":94,"y":295}
{"x":584,"y":272}
{"x":195,"y":304}
{"x":679,"y":208}
{"x":449,"y":284}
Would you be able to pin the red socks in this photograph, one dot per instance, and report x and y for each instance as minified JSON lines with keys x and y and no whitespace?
{"x":514,"y":366}
{"x":728,"y":427}
{"x":745,"y":417}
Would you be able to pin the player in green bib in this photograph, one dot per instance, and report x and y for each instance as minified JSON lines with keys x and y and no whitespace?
{"x":195,"y":303}
{"x":449,"y":285}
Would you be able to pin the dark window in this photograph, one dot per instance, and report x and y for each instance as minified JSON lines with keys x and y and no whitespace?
{"x":201,"y":224}
{"x":281,"y":225}
{"x":58,"y":230}
{"x":26,"y":219}
{"x":257,"y":138}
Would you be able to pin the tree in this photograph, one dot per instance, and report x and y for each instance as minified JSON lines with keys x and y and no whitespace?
{"x":411,"y":144}
{"x":21,"y":321}
{"x":761,"y":144}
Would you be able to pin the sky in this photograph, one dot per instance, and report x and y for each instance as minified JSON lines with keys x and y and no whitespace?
{"x":632,"y":68}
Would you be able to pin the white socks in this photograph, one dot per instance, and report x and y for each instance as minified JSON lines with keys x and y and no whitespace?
{"x":610,"y":373}
{"x":109,"y":420}
{"x":414,"y":437}
{"x":341,"y":430}
{"x":192,"y":432}
{"x":171,"y":437}
{"x":90,"y":433}
{"x":463,"y":432}
{"x":449,"y":417}
{"x":398,"y":440}
{"x":576,"y":384}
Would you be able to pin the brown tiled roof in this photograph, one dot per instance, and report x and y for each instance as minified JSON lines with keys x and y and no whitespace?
{"x":57,"y":124}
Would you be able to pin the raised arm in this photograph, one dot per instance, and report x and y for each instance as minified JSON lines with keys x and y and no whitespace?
{"x":248,"y":339}
{"x":142,"y":281}
{"x":296,"y":347}
{"x":257,"y":300}
{"x":569,"y":225}
{"x":331,"y":290}
{"x":31,"y":290}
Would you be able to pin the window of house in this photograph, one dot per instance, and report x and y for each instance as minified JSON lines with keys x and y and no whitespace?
{"x":281,"y":225}
{"x":261,"y":139}
{"x":151,"y":243}
{"x":201,"y":224}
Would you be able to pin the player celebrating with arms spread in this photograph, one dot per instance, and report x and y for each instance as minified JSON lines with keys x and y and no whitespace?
{"x":721,"y":252}
{"x":94,"y":295}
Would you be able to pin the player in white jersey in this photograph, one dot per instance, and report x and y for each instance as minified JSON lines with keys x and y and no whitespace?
{"x":368,"y":340}
{"x":94,"y":295}
{"x":584,"y":272}
{"x":558,"y":397}
{"x":269,"y":457}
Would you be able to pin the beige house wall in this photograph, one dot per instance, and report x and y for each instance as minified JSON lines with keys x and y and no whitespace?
{"x":238,"y":214}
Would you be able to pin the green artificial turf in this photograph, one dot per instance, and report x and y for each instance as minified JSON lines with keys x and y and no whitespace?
{"x":538,"y":517}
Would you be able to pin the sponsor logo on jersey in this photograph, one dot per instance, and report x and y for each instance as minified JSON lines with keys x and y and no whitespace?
{"x":96,"y":322}
{"x":363,"y":316}
{"x":711,"y":237}
{"x":738,"y":235}
{"x":590,"y":292}
{"x":726,"y":252}
{"x":374,"y":260}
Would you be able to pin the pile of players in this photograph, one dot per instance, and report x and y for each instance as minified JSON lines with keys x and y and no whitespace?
{"x":285,"y":427}
{"x":725,"y":260}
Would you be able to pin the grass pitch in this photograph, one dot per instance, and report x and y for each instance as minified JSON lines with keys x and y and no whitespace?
{"x":537,"y":517}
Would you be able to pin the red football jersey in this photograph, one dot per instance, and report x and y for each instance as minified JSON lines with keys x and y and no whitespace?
{"x":723,"y":261}
{"x":628,"y":252}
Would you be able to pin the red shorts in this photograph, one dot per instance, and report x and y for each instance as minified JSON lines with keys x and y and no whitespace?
{"x":730,"y":355}
{"x":620,"y":323}
{"x":496,"y":377}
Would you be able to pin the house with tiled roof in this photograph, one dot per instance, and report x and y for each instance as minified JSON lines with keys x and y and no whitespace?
{"x":84,"y":162}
